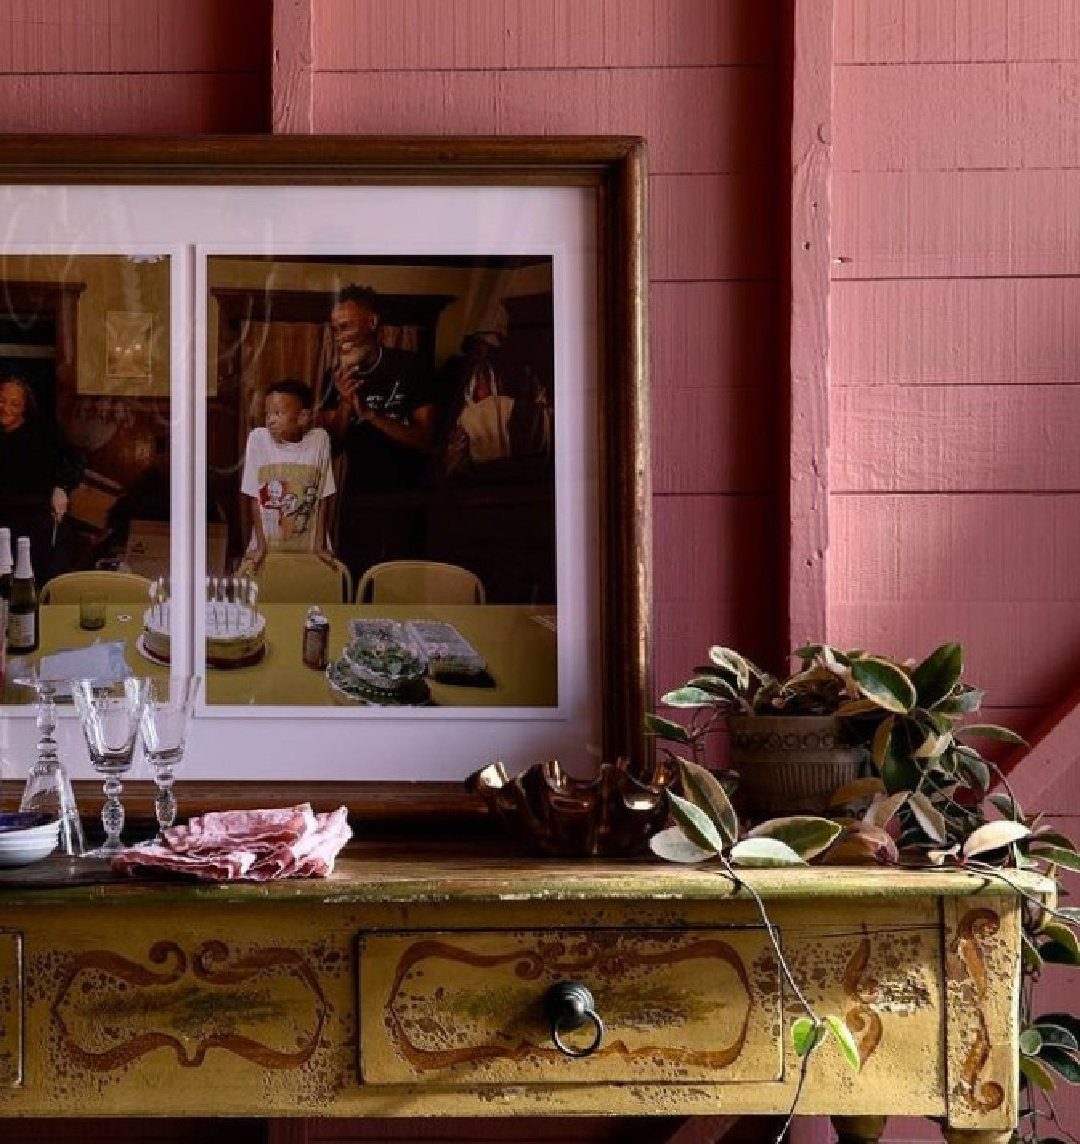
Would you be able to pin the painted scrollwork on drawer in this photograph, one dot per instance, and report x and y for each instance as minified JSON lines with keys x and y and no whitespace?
{"x":684,"y":1006}
{"x":264,"y":1005}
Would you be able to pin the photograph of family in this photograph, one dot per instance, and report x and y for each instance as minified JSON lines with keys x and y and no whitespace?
{"x":377,"y":472}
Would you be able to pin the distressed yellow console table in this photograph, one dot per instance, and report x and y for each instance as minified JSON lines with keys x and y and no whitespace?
{"x":413,"y":983}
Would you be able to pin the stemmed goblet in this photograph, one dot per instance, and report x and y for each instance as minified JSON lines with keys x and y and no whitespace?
{"x":110,"y":716}
{"x":48,"y":787}
{"x":169,"y":704}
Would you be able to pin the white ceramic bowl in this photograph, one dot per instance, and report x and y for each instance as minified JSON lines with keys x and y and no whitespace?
{"x":31,"y":844}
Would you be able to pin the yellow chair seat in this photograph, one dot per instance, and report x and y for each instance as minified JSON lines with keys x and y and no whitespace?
{"x":419,"y":582}
{"x":116,"y":587}
{"x":303,"y":578}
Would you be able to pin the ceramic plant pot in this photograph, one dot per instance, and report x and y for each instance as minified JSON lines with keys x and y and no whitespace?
{"x":790,"y":764}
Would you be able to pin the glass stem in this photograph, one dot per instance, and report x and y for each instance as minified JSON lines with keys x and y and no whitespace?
{"x":112,"y":813}
{"x":164,"y":799}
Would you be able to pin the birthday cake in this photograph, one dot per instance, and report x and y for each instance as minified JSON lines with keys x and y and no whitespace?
{"x":235,"y":634}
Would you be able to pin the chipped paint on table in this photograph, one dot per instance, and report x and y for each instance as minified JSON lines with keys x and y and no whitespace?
{"x":411,"y":983}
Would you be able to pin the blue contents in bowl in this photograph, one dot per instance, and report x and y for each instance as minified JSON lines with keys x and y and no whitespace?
{"x":22,"y":820}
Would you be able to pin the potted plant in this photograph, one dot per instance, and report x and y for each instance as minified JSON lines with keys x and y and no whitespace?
{"x":796,"y":739}
{"x":931,"y":799}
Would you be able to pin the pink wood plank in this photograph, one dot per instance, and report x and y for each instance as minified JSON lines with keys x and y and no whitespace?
{"x":908,"y":31}
{"x":715,"y":386}
{"x":956,"y":331}
{"x":717,"y":580}
{"x":957,"y":116}
{"x":169,"y":104}
{"x":1022,"y":653}
{"x":907,"y":549}
{"x":376,"y":35}
{"x":1044,"y":776}
{"x":1044,"y":114}
{"x":707,"y":227}
{"x":809,"y":242}
{"x":136,"y":36}
{"x":290,"y":78}
{"x":921,"y":117}
{"x":733,"y":127}
{"x":1044,"y":30}
{"x":948,"y":224}
{"x":966,"y":438}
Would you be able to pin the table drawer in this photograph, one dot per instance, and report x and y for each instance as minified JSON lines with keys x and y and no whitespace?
{"x":684,"y":1006}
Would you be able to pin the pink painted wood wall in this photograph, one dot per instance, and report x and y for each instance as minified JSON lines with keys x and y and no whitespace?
{"x":955,"y":374}
{"x":954,"y":393}
{"x":953,"y":401}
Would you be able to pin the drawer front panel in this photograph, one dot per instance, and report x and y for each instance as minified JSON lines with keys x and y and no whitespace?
{"x":678,"y":1006}
{"x":11,"y":1007}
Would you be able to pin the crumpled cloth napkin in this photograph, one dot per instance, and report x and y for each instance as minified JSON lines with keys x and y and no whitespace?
{"x":245,"y":845}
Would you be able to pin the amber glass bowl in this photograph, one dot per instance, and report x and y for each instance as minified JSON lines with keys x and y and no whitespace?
{"x":611,"y":815}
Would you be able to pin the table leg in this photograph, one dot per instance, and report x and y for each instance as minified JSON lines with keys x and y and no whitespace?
{"x":859,"y":1129}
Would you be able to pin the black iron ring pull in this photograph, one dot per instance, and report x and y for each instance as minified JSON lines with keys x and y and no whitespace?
{"x":569,"y":1005}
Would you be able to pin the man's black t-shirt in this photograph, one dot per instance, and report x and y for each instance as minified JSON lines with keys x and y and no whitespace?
{"x":396,"y":386}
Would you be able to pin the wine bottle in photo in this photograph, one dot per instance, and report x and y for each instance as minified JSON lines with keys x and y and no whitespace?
{"x":5,"y":580}
{"x":23,"y":605}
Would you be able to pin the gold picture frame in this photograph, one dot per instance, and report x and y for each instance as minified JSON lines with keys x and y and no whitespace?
{"x":608,"y":175}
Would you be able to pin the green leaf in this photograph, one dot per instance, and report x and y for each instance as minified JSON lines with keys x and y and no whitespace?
{"x":764,"y":852}
{"x":739,"y":666}
{"x":990,"y":731}
{"x":929,"y":818}
{"x":1062,"y":1020}
{"x":806,"y":1035}
{"x":1030,"y":1042}
{"x":1055,"y":854}
{"x":1062,"y":935}
{"x":688,"y":697}
{"x":716,"y":686}
{"x":1063,"y":1063}
{"x":938,"y":674}
{"x":703,"y":789}
{"x":1005,"y":805}
{"x":965,"y":702}
{"x":1035,"y":1073}
{"x":667,"y":729}
{"x":673,"y":845}
{"x":1055,"y":1035}
{"x":993,"y":836}
{"x":975,"y":768}
{"x":842,"y":1035}
{"x":1030,"y":957}
{"x":807,"y":835}
{"x":1053,"y":837}
{"x":695,"y":824}
{"x":885,"y":683}
{"x":1058,"y":953}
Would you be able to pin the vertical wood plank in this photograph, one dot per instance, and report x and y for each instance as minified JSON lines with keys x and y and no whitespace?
{"x":809,"y":254}
{"x":291,"y":81}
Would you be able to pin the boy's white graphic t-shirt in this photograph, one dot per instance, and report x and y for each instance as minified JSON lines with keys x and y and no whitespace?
{"x":288,"y":479}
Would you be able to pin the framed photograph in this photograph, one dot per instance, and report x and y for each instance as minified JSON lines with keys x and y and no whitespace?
{"x":353,"y":428}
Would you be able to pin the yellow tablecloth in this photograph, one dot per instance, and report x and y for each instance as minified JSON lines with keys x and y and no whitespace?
{"x":518,"y":642}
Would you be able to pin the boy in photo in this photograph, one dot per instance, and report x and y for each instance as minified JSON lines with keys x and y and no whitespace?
{"x":288,"y":476}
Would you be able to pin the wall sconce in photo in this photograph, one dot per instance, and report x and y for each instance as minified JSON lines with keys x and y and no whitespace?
{"x":127,"y":344}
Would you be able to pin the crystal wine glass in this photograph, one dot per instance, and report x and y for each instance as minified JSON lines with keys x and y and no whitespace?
{"x":110,"y":717}
{"x":169,"y":704}
{"x":48,"y":787}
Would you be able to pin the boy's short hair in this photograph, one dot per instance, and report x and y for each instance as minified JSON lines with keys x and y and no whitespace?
{"x":292,"y":388}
